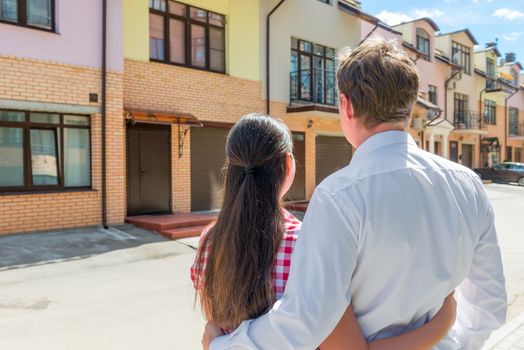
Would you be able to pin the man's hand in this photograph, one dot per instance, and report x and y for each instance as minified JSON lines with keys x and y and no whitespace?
{"x":211,"y":332}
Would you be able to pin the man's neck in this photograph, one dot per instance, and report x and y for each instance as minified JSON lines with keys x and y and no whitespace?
{"x":365,"y":133}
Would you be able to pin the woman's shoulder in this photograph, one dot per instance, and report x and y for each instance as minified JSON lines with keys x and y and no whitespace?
{"x":292,"y":226}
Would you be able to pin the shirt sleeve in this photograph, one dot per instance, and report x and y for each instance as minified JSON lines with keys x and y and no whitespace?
{"x":317,"y":292}
{"x":481,"y":297}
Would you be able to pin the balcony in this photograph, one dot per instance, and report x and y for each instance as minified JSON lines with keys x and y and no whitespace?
{"x":312,"y":91}
{"x":516,"y":129}
{"x":469,"y":122}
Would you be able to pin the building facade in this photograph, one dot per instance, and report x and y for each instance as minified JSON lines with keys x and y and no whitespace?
{"x":174,"y":76}
{"x":51,"y":115}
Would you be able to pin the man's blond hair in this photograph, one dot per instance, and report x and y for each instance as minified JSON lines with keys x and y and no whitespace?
{"x":380,"y":80}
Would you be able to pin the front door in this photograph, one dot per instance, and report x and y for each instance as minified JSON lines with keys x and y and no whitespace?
{"x":297,"y":191}
{"x":467,"y":155}
{"x":148,"y":169}
{"x":453,"y":151}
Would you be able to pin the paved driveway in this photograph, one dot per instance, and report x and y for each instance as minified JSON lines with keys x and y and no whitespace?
{"x":129,"y":289}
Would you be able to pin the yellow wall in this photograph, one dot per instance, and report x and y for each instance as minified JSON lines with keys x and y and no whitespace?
{"x":136,"y":29}
{"x":242,"y":33}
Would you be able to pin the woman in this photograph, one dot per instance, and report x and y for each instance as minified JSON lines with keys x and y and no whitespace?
{"x":242,"y":264}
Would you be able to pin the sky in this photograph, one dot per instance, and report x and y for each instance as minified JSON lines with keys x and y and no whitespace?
{"x":488,"y":20}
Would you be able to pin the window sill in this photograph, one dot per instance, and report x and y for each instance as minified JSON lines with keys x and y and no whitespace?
{"x":33,"y":192}
{"x":51,"y":31}
{"x":186,"y":66}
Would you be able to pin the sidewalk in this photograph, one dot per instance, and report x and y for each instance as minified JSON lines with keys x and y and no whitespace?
{"x":509,"y":336}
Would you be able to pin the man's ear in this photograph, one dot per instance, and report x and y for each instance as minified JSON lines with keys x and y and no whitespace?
{"x":346,"y":107}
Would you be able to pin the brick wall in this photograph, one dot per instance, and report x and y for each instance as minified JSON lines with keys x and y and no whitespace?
{"x":45,"y":81}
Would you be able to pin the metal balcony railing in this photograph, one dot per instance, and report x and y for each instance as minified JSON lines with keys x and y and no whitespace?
{"x":516,"y":129}
{"x":469,"y":120}
{"x":313,"y":86}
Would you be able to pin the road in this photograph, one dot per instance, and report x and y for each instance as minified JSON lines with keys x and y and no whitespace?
{"x":93,"y":289}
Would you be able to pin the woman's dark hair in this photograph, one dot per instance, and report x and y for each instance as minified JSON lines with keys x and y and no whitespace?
{"x":244,"y":241}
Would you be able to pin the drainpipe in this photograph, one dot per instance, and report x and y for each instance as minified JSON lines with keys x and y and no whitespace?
{"x":506,"y":121}
{"x":268,"y":21}
{"x":480,"y":116}
{"x":104,"y":112}
{"x":369,"y":34}
{"x":446,"y":92}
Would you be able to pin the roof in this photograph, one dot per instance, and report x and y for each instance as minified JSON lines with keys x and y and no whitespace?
{"x":512,"y":63}
{"x":492,"y":48}
{"x":426,"y":19}
{"x":346,"y":7}
{"x":426,"y":103}
{"x":446,"y":60}
{"x":468,"y":33}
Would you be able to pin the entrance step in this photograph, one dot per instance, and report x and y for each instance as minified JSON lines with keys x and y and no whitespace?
{"x":174,"y":226}
{"x":183,"y":232}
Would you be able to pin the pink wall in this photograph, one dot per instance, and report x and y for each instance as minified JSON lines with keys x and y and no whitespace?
{"x":366,"y":27}
{"x":78,"y":38}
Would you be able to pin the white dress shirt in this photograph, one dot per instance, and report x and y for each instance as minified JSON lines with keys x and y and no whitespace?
{"x":393,"y":233}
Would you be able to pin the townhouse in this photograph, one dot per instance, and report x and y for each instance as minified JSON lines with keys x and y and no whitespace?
{"x":193,"y":68}
{"x":52,"y":113}
{"x":116,"y":108}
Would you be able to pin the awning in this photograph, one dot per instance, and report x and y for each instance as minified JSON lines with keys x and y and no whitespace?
{"x":490,"y":141}
{"x":161,"y":117}
{"x":426,"y":103}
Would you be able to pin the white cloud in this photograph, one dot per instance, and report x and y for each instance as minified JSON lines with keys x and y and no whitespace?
{"x":508,"y":14}
{"x":475,"y":1}
{"x":512,"y":36}
{"x":393,"y":18}
{"x":431,"y":13}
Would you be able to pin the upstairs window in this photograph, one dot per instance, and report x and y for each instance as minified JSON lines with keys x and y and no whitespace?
{"x":461,"y":55}
{"x":423,"y":43}
{"x":515,"y":77}
{"x":312,"y":76}
{"x":490,"y":113}
{"x":38,"y":14}
{"x":186,"y":35}
{"x":432,"y":94}
{"x":490,"y":73}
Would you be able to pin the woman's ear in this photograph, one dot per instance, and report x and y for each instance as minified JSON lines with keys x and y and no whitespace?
{"x":290,"y":163}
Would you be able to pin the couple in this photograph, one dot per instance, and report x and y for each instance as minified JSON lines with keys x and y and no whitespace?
{"x":384,"y":241}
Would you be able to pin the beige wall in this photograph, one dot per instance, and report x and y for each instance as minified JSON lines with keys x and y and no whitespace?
{"x":295,"y":18}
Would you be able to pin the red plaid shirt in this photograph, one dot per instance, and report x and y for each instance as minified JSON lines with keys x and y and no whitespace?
{"x":282,"y":260}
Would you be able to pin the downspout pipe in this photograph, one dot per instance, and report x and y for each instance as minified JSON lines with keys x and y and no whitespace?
{"x":104,"y":113}
{"x":268,"y":45}
{"x":369,"y":34}
{"x":506,"y":122}
{"x":481,"y":120}
{"x":446,"y":91}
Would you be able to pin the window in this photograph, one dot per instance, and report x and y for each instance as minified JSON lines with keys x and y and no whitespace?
{"x":423,"y":42}
{"x":460,"y":55}
{"x":43,"y":151}
{"x":38,"y":14}
{"x":461,"y":107}
{"x":432,"y":94}
{"x":515,"y":77}
{"x":490,"y":73}
{"x":324,"y":1}
{"x":490,"y":112}
{"x":312,"y":72}
{"x":513,"y":121}
{"x":186,"y":35}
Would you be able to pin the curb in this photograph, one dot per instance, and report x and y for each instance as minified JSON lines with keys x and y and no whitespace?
{"x":503,"y":332}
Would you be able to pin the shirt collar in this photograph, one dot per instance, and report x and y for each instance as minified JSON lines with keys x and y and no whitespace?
{"x":386,"y":138}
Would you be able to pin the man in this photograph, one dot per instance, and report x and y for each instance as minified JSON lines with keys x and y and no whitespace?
{"x":393,"y":233}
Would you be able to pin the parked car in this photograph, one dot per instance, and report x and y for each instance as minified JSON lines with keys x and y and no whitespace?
{"x":504,"y":172}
